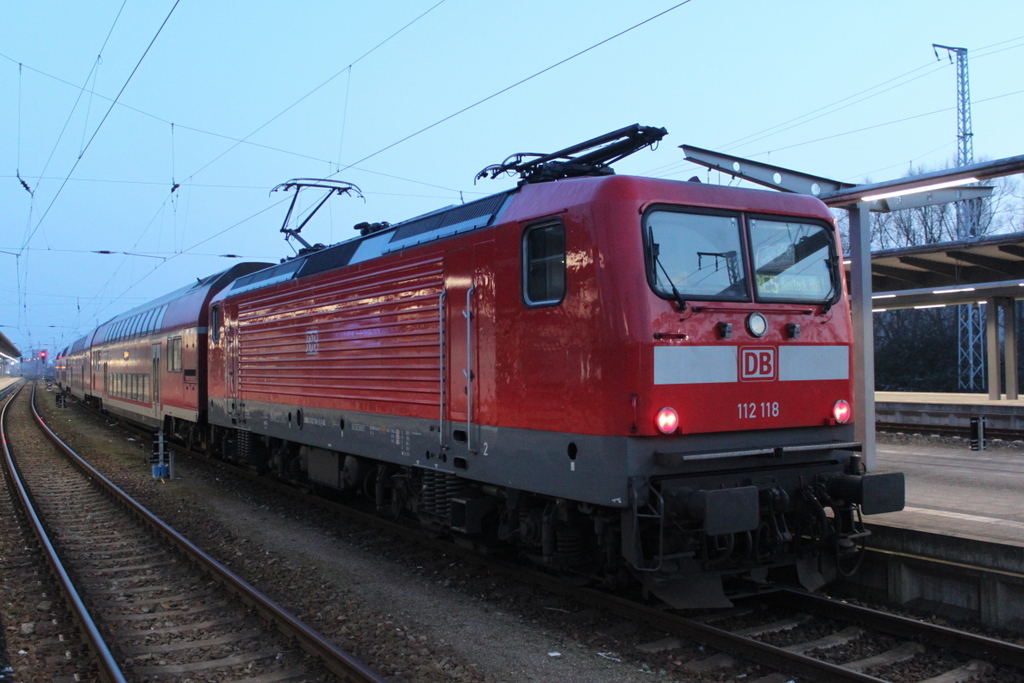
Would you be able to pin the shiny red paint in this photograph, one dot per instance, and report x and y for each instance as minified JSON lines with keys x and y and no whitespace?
{"x":367,"y":337}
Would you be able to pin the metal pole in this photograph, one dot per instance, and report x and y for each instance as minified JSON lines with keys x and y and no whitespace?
{"x":992,"y":348}
{"x":863,"y":330}
{"x":1010,"y":347}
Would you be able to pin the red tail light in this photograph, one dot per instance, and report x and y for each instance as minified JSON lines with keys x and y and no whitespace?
{"x":667,"y":420}
{"x":841,"y":411}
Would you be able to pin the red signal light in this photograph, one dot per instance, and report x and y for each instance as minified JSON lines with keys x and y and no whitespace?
{"x":667,"y":420}
{"x":42,"y":354}
{"x":841,"y":411}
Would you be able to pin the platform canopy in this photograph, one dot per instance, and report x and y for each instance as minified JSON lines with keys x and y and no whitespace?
{"x":948,"y":273}
{"x":7,"y":349}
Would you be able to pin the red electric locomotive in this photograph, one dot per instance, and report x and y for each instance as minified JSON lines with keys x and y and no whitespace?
{"x":619,"y":375}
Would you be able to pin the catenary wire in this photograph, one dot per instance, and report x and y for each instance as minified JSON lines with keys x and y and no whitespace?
{"x":515,"y":85}
{"x":100,"y":125}
{"x":861,"y":130}
{"x":228,"y":137}
{"x":768,"y":131}
{"x":304,"y":97}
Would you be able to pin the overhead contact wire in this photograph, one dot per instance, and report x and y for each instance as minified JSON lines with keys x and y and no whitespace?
{"x":221,"y":135}
{"x":518,"y":83}
{"x":81,"y":91}
{"x":311,"y":92}
{"x":100,"y":125}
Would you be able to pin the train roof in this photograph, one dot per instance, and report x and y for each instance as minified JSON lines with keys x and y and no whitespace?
{"x":446,"y":222}
{"x":179,"y":308}
{"x":529,"y":201}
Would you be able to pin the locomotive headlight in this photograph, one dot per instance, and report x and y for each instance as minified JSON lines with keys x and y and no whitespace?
{"x":756,"y":324}
{"x":667,"y":420}
{"x":841,"y":411}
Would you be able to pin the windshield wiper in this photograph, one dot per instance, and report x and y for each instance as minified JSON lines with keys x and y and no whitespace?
{"x":680,"y":301}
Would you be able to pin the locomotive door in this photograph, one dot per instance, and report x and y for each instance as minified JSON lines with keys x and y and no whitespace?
{"x":469,"y":348}
{"x":459,"y":366}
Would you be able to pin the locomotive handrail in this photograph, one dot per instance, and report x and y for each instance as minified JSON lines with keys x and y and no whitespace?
{"x":441,"y":364}
{"x":468,"y":313}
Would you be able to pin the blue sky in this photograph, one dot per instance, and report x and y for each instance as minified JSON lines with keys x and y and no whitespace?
{"x":846,"y":90}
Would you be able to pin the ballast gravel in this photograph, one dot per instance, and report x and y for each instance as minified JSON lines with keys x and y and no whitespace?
{"x":411,"y":620}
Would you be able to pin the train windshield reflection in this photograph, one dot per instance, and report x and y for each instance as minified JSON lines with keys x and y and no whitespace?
{"x":792,"y":261}
{"x":696,"y":256}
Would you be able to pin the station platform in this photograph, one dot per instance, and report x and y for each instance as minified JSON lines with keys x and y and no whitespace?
{"x":947,"y":409}
{"x":4,"y":381}
{"x":954,"y":491}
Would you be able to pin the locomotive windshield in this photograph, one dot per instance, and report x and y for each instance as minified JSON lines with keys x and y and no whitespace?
{"x":792,"y":261}
{"x":696,"y":255}
{"x":701,"y":256}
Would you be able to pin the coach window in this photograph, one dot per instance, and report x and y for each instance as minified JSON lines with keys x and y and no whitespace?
{"x":544,"y":264}
{"x":174,"y":354}
{"x":215,"y":324}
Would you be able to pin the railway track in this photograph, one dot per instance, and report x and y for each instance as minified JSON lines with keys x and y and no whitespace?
{"x":792,"y":634}
{"x":947,"y":430}
{"x":150,"y":609}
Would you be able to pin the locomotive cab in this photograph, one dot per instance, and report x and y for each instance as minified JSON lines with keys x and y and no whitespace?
{"x":753,"y":451}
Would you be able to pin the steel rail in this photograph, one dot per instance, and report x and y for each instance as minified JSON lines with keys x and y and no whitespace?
{"x":719,"y":639}
{"x":8,"y":389}
{"x":947,"y":430}
{"x":338,"y":661}
{"x":741,"y":646}
{"x":107,"y":666}
{"x":905,"y":627}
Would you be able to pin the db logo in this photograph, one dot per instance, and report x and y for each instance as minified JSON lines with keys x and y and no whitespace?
{"x":757,"y":363}
{"x":312,"y":342}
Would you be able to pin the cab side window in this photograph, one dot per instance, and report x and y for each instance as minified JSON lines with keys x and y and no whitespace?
{"x":544,"y":264}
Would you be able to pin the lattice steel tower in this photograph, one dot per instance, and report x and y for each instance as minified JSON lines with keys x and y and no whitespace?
{"x":970,"y":329}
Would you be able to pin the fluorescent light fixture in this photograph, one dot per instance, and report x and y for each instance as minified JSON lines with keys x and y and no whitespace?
{"x":951,"y":291}
{"x":877,"y":310}
{"x":889,"y":296}
{"x":932,"y":306}
{"x":916,"y":190}
{"x":847,"y":262}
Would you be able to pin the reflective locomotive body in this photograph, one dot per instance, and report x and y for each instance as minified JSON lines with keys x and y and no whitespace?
{"x":618,"y":375}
